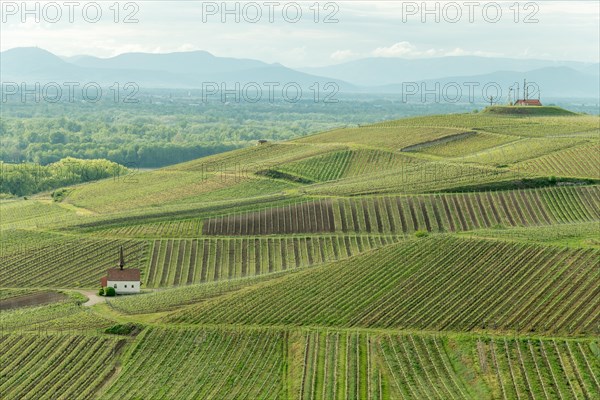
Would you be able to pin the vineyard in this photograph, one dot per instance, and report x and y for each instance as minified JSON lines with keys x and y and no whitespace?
{"x":580,"y":234}
{"x":386,"y":137}
{"x":165,"y":229}
{"x":72,"y":263}
{"x":437,"y":257}
{"x":65,"y":316}
{"x":55,"y":366}
{"x":248,"y":365}
{"x":343,"y":164}
{"x":306,"y":217}
{"x":544,"y":126}
{"x":417,"y":177}
{"x":18,"y":240}
{"x":520,"y":150}
{"x":580,"y":161}
{"x":186,"y":262}
{"x":173,"y":298}
{"x":431,"y":284}
{"x":404,"y":214}
{"x":538,"y":369}
{"x":32,"y":214}
{"x":340,"y":365}
{"x":185,"y":182}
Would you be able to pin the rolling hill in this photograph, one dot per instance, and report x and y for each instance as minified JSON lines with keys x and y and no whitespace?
{"x":437,"y":257}
{"x":150,"y":71}
{"x":190,"y":70}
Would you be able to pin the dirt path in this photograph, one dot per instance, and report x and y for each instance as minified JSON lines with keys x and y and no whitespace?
{"x":93,"y":298}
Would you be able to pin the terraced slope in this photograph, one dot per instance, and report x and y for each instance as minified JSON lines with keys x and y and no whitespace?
{"x":438,"y":283}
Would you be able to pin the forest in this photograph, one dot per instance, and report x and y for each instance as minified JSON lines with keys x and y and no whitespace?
{"x":165,"y":127}
{"x":29,"y":178}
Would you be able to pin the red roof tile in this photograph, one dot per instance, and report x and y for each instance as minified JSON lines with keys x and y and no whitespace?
{"x":128,"y":274}
{"x":530,"y":102}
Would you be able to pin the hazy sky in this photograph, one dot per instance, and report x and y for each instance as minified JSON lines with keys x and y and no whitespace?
{"x":568,"y":30}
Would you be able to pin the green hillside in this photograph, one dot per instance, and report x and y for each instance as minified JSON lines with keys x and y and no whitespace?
{"x":435,"y":257}
{"x":523,"y":110}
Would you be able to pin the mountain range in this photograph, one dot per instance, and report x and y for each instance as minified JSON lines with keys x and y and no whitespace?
{"x":189,"y":70}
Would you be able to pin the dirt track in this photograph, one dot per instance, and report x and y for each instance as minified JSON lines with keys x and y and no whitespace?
{"x":93,"y":298}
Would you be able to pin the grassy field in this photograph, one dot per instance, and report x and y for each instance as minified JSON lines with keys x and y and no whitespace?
{"x":435,"y":257}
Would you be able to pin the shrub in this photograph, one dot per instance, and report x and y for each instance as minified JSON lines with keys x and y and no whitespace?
{"x":59,"y":195}
{"x":421,"y":234}
{"x":101,"y":292}
{"x":124,"y":329}
{"x":110,"y":292}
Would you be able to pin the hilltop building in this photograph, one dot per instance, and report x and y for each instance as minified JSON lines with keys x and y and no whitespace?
{"x":528,"y":102}
{"x":525,"y":101}
{"x":124,"y":281}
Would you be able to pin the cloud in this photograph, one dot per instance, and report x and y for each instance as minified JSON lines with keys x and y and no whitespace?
{"x":407,"y":50}
{"x":462,"y":52}
{"x":342,"y":55}
{"x":400,"y":49}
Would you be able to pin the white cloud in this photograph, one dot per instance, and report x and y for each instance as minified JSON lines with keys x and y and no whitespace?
{"x":400,"y":49}
{"x":407,"y":50}
{"x":343,"y":55}
{"x":567,"y":30}
{"x":462,"y":52}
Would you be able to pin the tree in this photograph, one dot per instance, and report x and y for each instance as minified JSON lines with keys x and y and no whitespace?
{"x":110,"y":292}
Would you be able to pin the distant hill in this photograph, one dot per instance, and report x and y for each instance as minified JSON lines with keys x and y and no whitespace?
{"x":384,"y":71}
{"x":195,"y":62}
{"x":552,"y":81}
{"x":189,"y":70}
{"x":171,"y":70}
{"x":31,"y":61}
